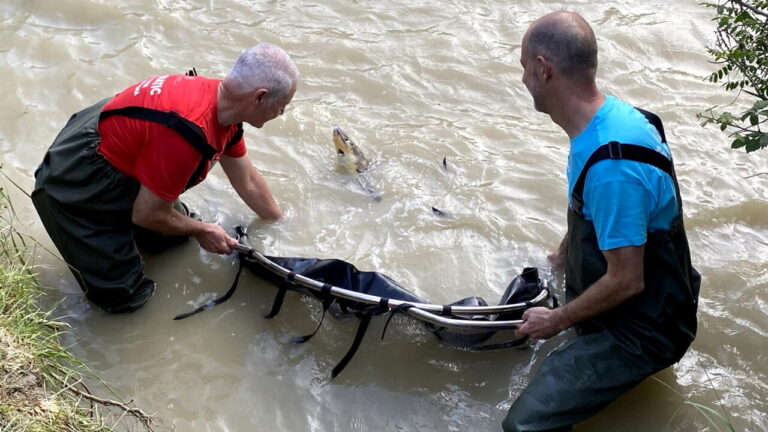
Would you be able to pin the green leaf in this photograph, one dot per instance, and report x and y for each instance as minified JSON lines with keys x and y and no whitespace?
{"x":752,"y":145}
{"x":723,"y":126}
{"x":738,"y":143}
{"x":764,"y":140}
{"x":761,"y":104}
{"x":753,"y":120}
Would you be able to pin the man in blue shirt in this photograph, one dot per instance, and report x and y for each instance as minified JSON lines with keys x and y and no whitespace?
{"x":631,"y":292}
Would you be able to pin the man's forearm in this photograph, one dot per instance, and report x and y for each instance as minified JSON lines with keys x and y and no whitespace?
{"x":170,"y":221}
{"x":251,"y":186}
{"x":256,"y":195}
{"x":623,"y":280}
{"x":600,"y":297}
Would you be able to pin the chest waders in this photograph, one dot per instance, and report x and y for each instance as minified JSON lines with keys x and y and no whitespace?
{"x":85,"y":204}
{"x":614,"y":351}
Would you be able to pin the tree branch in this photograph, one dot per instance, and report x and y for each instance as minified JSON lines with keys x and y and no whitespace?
{"x":137,"y":413}
{"x":142,"y":416}
{"x":751,"y":8}
{"x":755,"y":175}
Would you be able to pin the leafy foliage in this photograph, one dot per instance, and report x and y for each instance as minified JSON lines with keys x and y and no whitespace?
{"x":741,"y":51}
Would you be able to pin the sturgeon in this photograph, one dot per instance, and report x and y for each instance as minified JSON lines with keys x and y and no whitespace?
{"x":352,"y":159}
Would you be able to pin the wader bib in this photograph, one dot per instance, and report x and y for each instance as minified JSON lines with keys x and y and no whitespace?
{"x":614,"y":351}
{"x":85,"y":204}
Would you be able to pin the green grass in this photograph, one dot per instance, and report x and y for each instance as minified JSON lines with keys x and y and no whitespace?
{"x":41,"y":383}
{"x":718,"y":419}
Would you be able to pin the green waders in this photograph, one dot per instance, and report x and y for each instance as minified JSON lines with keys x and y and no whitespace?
{"x":85,"y":205}
{"x":614,"y":351}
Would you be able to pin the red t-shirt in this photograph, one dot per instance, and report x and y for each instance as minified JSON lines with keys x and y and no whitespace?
{"x":155,"y":155}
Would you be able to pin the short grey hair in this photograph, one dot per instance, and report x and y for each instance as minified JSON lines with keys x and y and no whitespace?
{"x":263,"y":66}
{"x":567,"y":41}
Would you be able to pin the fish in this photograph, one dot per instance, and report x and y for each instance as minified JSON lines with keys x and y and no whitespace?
{"x":352,"y":159}
{"x":443,"y":214}
{"x":350,"y":155}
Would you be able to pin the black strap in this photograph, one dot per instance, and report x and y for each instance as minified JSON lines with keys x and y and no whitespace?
{"x":617,"y":150}
{"x":392,"y":312}
{"x":217,"y":301}
{"x":188,"y":130}
{"x":655,"y":121}
{"x":500,"y":345}
{"x":277,"y":303}
{"x":328,"y":300}
{"x":365,"y":320}
{"x":236,"y":137}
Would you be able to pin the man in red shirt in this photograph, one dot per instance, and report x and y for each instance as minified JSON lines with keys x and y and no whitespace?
{"x":116,"y":170}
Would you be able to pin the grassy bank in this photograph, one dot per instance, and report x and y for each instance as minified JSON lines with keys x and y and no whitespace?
{"x":42,"y":385}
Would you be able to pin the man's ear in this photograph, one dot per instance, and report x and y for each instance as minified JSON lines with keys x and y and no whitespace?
{"x":545,"y":67}
{"x":260,"y":96}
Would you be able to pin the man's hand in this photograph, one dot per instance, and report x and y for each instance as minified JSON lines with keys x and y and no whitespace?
{"x":557,"y":257}
{"x":623,"y":280}
{"x":542,"y":323}
{"x":214,"y":239}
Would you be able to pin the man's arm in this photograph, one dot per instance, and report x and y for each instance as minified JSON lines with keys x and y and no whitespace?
{"x":623,"y":280}
{"x":251,"y":187}
{"x":156,"y":214}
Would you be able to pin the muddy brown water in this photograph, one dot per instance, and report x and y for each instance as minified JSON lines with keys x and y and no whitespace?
{"x":412,"y":82}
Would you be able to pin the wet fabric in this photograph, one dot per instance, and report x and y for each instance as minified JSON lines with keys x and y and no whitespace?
{"x":614,"y":351}
{"x":85,"y":205}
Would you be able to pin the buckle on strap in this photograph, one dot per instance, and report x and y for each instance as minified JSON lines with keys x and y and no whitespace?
{"x":614,"y":150}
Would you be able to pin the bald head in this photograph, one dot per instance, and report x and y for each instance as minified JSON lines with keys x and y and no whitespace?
{"x":263,"y":66}
{"x":567,"y":41}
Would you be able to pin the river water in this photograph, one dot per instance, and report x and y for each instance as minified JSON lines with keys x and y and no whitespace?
{"x":412,"y":82}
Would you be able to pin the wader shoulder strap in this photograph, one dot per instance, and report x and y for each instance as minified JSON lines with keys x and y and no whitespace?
{"x":617,"y":150}
{"x":236,"y":137}
{"x":188,"y":130}
{"x":655,"y":121}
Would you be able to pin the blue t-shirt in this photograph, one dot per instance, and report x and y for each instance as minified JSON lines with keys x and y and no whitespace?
{"x":624,"y":199}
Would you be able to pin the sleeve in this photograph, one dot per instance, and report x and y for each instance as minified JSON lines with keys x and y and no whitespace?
{"x":237,"y":150}
{"x":165,"y":162}
{"x":620,"y":212}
